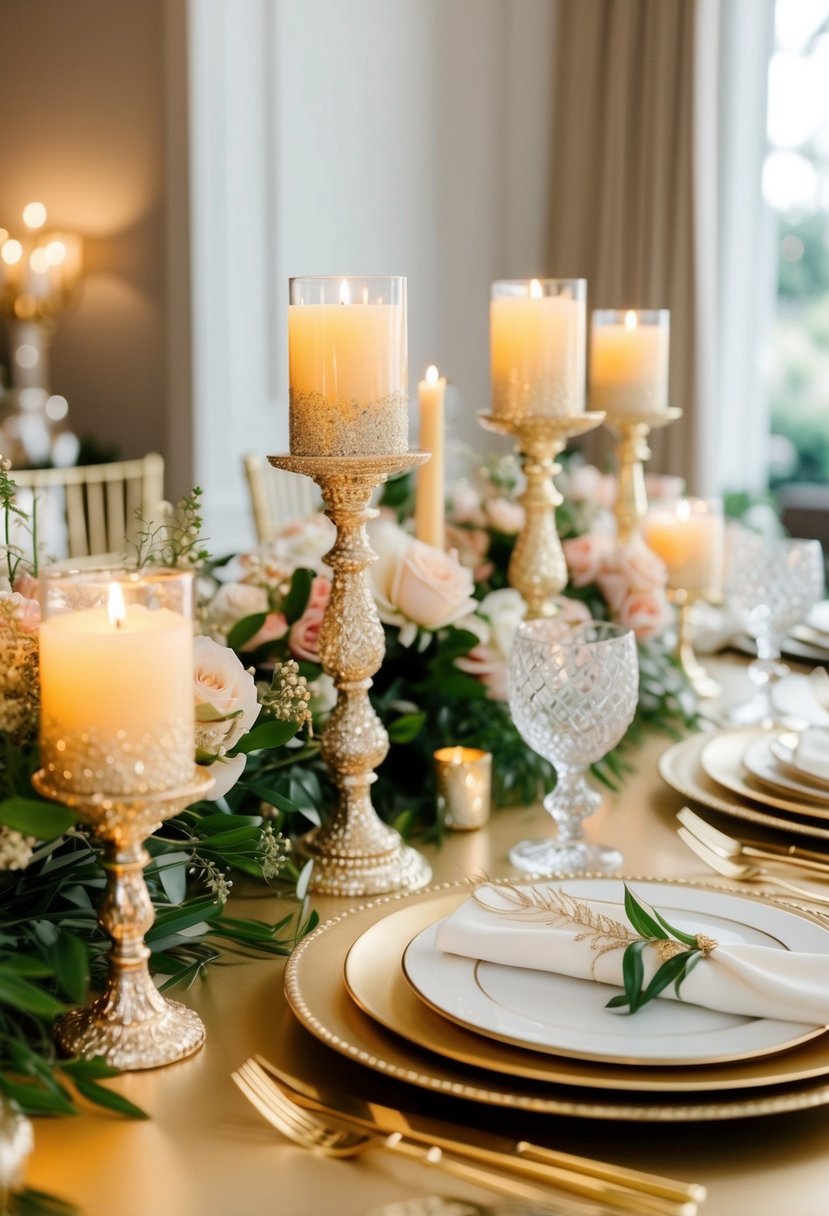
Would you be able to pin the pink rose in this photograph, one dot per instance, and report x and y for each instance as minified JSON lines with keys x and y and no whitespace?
{"x":571,"y":612}
{"x":430,"y":588}
{"x":304,"y":635}
{"x":640,"y":566}
{"x":614,"y":587}
{"x":647,"y":613}
{"x":274,"y":628}
{"x":586,"y":484}
{"x":586,"y":557}
{"x":26,"y":584}
{"x":320,"y":593}
{"x":505,"y":516}
{"x":490,"y":667}
{"x":465,"y":504}
{"x":469,"y":544}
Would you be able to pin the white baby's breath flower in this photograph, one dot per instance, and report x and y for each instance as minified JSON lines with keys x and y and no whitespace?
{"x":15,"y":849}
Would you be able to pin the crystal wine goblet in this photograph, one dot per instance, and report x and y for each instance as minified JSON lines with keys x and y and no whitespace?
{"x":771,"y":585}
{"x":573,"y":693}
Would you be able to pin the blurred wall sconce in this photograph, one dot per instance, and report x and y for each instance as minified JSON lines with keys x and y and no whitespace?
{"x":40,"y":272}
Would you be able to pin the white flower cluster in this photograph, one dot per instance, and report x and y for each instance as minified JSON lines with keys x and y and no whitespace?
{"x":15,"y":849}
{"x":288,"y":696}
{"x":273,"y":852}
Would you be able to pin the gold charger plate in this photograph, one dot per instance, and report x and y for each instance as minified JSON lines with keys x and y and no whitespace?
{"x":722,"y":760}
{"x":376,"y":980}
{"x":681,"y":769}
{"x":320,"y":1002}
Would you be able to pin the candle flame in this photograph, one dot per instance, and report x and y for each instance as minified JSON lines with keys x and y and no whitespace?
{"x":630,"y":319}
{"x":345,"y":292}
{"x":535,"y":290}
{"x":683,"y":509}
{"x":116,"y":608}
{"x":431,"y":374}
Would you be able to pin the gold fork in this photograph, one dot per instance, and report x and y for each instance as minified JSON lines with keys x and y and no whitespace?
{"x":743,"y":872}
{"x":310,"y":1132}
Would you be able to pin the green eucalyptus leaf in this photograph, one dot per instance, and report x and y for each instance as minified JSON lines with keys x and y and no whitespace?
{"x":271,"y":733}
{"x":245,"y":629}
{"x":261,"y":790}
{"x":641,"y":919}
{"x":108,"y":1098}
{"x":45,"y":820}
{"x":298,"y":595}
{"x":633,"y":973}
{"x":71,"y":962}
{"x":172,"y":874}
{"x":672,"y":969}
{"x":406,"y":728}
{"x":21,"y":994}
{"x":687,"y":939}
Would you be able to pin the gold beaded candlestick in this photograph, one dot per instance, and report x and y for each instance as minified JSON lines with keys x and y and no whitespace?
{"x":131,"y":1024}
{"x":632,"y":451}
{"x":354,"y":852}
{"x":537,"y":567}
{"x":704,"y":685}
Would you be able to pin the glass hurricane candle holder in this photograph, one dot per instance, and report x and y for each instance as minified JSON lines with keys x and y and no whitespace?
{"x":629,"y":361}
{"x":117,"y":744}
{"x":572,"y":695}
{"x":770,"y":586}
{"x":689,"y":535}
{"x":538,"y":342}
{"x":348,"y":372}
{"x":464,"y":787}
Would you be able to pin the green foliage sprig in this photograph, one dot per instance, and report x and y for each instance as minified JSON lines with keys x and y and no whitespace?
{"x":674,"y":970}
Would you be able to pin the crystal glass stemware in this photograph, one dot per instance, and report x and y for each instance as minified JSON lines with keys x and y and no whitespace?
{"x":771,"y":585}
{"x":573,"y":693}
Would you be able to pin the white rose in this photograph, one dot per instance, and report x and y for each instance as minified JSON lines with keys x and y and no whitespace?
{"x":323,"y":695}
{"x":388,"y":541}
{"x":233,"y":601}
{"x":304,"y":543}
{"x":225,"y":773}
{"x":225,"y":688}
{"x":505,"y":610}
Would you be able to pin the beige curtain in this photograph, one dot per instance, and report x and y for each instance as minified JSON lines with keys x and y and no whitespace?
{"x":622,"y":212}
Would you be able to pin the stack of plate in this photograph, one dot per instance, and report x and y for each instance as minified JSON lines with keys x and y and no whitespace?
{"x":536,"y":1041}
{"x":755,"y":765}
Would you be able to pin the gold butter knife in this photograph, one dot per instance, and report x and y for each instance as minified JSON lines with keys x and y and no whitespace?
{"x":629,"y":1190}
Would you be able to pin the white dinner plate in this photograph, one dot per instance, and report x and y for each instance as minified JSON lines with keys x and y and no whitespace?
{"x":818,"y":618}
{"x":761,"y":760}
{"x":793,"y":698}
{"x":722,"y":760}
{"x":552,"y":1013}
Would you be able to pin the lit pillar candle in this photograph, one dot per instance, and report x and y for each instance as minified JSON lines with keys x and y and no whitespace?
{"x":689,"y":536}
{"x":116,"y":683}
{"x":347,"y":355}
{"x":538,"y":340}
{"x":629,"y":361}
{"x":429,"y":504}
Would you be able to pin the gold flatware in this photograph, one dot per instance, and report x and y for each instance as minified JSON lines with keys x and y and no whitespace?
{"x":744,"y":872}
{"x":728,"y":846}
{"x":564,"y":1169}
{"x":306,"y":1130}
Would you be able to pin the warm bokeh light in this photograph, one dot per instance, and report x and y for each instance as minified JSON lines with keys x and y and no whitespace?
{"x":11,"y":252}
{"x":56,"y":253}
{"x":27,"y":355}
{"x":630,"y":319}
{"x":57,"y":408}
{"x":39,"y":261}
{"x":431,"y":374}
{"x":34,"y":215}
{"x":535,"y":290}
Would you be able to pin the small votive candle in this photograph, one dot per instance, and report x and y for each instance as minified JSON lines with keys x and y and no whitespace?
{"x":629,"y":361}
{"x":347,"y":357}
{"x":464,"y":787}
{"x":689,"y":537}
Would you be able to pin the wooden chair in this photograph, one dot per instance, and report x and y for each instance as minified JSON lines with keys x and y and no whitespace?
{"x":277,"y":497}
{"x":98,"y":502}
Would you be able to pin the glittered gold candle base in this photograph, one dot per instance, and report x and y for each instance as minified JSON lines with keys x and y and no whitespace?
{"x":131,"y":1025}
{"x":320,"y":426}
{"x":632,"y":451}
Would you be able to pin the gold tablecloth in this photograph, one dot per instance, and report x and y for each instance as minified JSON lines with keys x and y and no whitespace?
{"x":206,"y":1152}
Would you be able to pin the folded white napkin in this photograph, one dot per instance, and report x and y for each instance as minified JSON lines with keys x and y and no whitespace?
{"x":755,"y":981}
{"x":812,"y":752}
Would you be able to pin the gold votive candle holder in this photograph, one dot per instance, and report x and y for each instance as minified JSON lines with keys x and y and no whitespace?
{"x":464,"y":787}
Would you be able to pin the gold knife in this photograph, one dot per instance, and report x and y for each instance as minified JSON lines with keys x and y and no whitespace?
{"x":630,"y":1190}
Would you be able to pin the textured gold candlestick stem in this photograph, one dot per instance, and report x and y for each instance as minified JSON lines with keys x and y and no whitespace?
{"x":537,"y":567}
{"x":632,"y":452}
{"x":354,"y":852}
{"x":131,"y":1024}
{"x":703,"y":684}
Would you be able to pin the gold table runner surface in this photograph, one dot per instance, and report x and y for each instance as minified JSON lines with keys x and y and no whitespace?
{"x":206,"y":1152}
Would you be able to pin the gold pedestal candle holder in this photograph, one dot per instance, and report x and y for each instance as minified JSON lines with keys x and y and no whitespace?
{"x":537,"y":567}
{"x":632,"y":451}
{"x":131,"y":1024}
{"x":354,"y":852}
{"x":704,"y":685}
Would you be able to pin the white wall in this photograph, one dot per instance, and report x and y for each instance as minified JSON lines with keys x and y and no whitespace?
{"x":374,"y":137}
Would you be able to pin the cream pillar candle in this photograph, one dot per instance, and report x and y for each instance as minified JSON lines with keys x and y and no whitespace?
{"x":429,"y":502}
{"x":347,"y":355}
{"x":538,"y":343}
{"x":689,"y":537}
{"x":629,"y":361}
{"x":116,"y":681}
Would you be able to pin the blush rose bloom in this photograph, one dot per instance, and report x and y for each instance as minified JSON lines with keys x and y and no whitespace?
{"x":586,"y":483}
{"x":489,"y":666}
{"x":416,"y":585}
{"x":586,"y":557}
{"x":304,"y":634}
{"x":642,"y":569}
{"x":274,"y":628}
{"x":647,"y":613}
{"x":304,"y":542}
{"x":505,"y":516}
{"x":225,"y":688}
